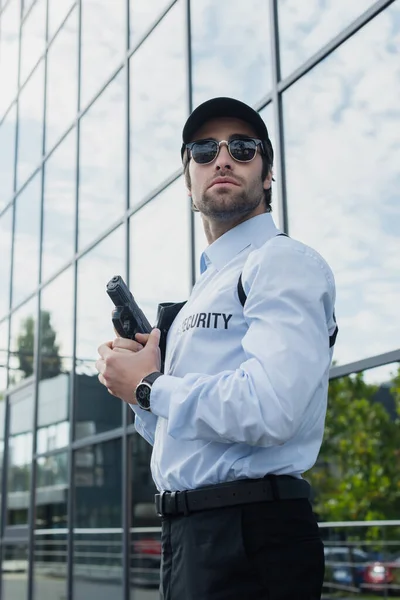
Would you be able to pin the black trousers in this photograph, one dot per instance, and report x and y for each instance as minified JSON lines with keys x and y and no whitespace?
{"x":263,"y":551}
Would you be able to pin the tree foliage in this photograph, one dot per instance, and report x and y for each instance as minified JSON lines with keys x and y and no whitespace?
{"x":357,"y":476}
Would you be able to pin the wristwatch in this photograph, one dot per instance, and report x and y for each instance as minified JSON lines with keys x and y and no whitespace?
{"x":143,"y":390}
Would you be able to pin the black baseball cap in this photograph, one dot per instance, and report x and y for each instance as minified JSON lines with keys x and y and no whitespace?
{"x":226,"y":107}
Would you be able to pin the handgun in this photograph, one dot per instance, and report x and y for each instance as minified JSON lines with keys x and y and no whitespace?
{"x":128,"y":319}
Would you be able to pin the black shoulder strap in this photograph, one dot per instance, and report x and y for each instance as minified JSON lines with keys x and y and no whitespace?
{"x":243,"y":297}
{"x":240,"y":290}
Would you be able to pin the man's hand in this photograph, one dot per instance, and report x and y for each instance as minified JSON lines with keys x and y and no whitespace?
{"x":124,"y":363}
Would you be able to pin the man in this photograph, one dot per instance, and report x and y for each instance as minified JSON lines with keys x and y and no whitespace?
{"x":238,"y":414}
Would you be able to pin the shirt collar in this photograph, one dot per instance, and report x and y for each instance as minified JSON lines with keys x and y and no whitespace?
{"x":255,"y":231}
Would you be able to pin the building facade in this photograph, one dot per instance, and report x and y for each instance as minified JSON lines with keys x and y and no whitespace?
{"x":93,"y":97}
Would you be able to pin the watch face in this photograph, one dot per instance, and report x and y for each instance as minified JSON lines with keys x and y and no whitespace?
{"x":143,"y":395}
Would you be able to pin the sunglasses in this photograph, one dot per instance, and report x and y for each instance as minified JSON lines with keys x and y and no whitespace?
{"x":204,"y":152}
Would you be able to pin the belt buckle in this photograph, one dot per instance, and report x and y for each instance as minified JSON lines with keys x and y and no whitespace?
{"x":160,"y":508}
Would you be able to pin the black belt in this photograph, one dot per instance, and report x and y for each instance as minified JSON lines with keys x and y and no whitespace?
{"x":244,"y":491}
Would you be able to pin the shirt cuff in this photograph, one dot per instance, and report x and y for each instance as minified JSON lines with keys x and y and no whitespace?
{"x":162,"y":392}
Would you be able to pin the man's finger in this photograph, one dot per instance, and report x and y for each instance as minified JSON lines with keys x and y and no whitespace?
{"x":126,"y":344}
{"x":142,"y":338}
{"x":100,"y":366}
{"x":154,"y":338}
{"x":105,"y":349}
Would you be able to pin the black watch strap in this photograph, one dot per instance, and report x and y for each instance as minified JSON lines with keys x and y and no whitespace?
{"x":150,"y":379}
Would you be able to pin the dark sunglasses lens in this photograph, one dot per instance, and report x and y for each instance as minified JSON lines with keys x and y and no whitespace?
{"x":243,"y":150}
{"x":204,"y":152}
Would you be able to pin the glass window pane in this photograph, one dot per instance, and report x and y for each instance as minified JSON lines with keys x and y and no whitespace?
{"x":304,"y":27}
{"x":158,"y":104}
{"x":5,"y":263}
{"x":15,"y":558}
{"x":145,"y":543}
{"x":343,"y":180}
{"x":26,"y":241}
{"x":142,"y":15}
{"x":56,"y":341}
{"x":98,"y":506}
{"x":22,"y":343}
{"x":267,"y":114}
{"x":33,"y":38}
{"x":20,"y":455}
{"x":7,"y":157}
{"x":62,"y":81}
{"x":162,"y":273}
{"x":59,"y":206}
{"x":9,"y":41}
{"x":3,"y":386}
{"x":103,"y":43}
{"x":30,"y":126}
{"x":231,"y":50}
{"x":57,"y":11}
{"x":50,"y":553}
{"x":102,"y":173}
{"x":95,"y":409}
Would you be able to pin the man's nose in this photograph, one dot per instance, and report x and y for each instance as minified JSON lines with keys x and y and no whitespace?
{"x":224,"y":159}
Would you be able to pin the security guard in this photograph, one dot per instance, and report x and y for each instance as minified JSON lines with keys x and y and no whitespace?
{"x":238,"y":413}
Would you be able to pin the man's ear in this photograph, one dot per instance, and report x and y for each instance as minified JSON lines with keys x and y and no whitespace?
{"x":268,"y":180}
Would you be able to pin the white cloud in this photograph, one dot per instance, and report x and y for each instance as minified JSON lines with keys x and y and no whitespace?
{"x":9,"y":54}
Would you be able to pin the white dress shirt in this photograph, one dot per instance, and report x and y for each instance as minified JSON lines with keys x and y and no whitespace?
{"x":245,"y":389}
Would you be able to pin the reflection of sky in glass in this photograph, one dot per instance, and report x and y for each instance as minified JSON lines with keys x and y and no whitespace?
{"x":102,"y":179}
{"x":9,"y":23}
{"x":59,"y":206}
{"x":26,"y":241}
{"x":158,"y":104}
{"x":33,"y":38}
{"x":5,"y":262}
{"x":30,"y":133}
{"x":7,"y":157}
{"x":3,"y":370}
{"x":62,"y":80}
{"x":160,"y":270}
{"x":304,"y":27}
{"x":95,"y":269}
{"x":230,"y":50}
{"x":142,"y":15}
{"x":103,"y":43}
{"x":342,"y":148}
{"x":57,"y":11}
{"x":267,"y":114}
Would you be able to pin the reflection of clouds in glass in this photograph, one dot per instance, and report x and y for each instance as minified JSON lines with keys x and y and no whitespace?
{"x":62,"y":80}
{"x":26,"y":241}
{"x":102,"y":179}
{"x":230,"y":50}
{"x":160,"y":250}
{"x":95,"y":269}
{"x":103,"y":43}
{"x":57,"y":299}
{"x":9,"y":38}
{"x":30,"y":132}
{"x":267,"y":114}
{"x":57,"y":11}
{"x":142,"y":15}
{"x":342,"y":141}
{"x":5,"y":262}
{"x":59,"y":206}
{"x":7,"y":157}
{"x":33,"y":38}
{"x":304,"y":27}
{"x":157,"y":104}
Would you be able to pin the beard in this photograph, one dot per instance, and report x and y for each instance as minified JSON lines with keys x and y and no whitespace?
{"x":226,"y":204}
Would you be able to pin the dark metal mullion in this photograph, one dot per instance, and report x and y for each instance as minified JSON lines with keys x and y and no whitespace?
{"x":278,"y":117}
{"x":371,"y":362}
{"x":72,"y":396}
{"x":189,"y":84}
{"x":37,"y":346}
{"x":126,"y":458}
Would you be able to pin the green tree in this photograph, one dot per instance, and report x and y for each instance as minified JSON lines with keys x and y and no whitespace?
{"x":50,"y":361}
{"x":357,"y":476}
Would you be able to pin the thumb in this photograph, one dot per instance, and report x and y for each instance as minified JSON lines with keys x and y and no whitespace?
{"x":154,"y":338}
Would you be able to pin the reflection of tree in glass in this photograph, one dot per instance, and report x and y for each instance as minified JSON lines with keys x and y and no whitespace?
{"x":50,"y":361}
{"x":357,"y":476}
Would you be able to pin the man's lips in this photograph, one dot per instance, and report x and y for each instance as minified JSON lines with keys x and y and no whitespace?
{"x":223,"y":181}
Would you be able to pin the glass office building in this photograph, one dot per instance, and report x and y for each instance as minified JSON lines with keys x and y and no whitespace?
{"x":93,"y":97}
